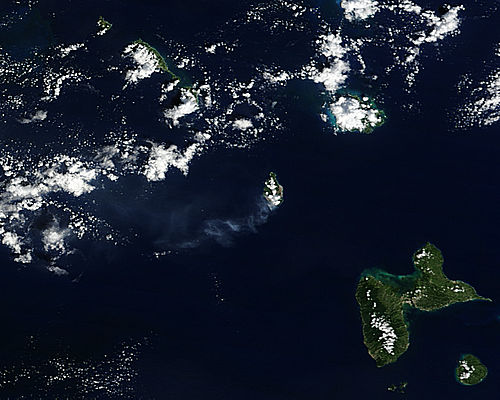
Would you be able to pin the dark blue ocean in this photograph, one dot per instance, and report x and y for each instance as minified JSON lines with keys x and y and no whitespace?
{"x":267,"y":311}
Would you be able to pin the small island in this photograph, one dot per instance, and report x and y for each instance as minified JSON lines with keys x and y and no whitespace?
{"x":147,"y":61}
{"x":103,"y":25}
{"x":470,"y":371}
{"x":352,"y":113}
{"x":273,"y":191}
{"x":401,"y":388}
{"x":383,"y":299}
{"x":162,"y":64}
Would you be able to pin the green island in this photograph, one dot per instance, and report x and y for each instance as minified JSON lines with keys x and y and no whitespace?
{"x":162,"y":64}
{"x":273,"y":191}
{"x":398,"y":388}
{"x":383,"y":299}
{"x":103,"y":25}
{"x":353,"y":113}
{"x":470,"y":371}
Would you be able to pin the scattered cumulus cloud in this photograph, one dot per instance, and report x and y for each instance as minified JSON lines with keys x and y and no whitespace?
{"x":39,"y":115}
{"x":188,"y":104}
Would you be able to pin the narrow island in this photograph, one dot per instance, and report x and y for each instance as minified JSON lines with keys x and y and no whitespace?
{"x":383,"y":299}
{"x":103,"y":25}
{"x":352,"y":113}
{"x":273,"y":191}
{"x":162,"y":64}
{"x":147,"y":61}
{"x":470,"y":371}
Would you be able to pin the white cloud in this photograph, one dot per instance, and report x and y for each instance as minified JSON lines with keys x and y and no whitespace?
{"x":441,"y":27}
{"x":388,"y":337}
{"x":483,"y":107}
{"x":242,"y":124}
{"x":280,"y":77}
{"x":353,"y":115}
{"x":334,"y":75}
{"x":211,"y":48}
{"x":146,"y":62}
{"x":75,"y":179}
{"x":53,"y":82}
{"x":40,"y":115}
{"x":412,"y":24}
{"x":16,"y":244}
{"x":162,"y":158}
{"x":29,"y":188}
{"x":57,"y":270}
{"x":331,"y":46}
{"x":53,"y":238}
{"x":359,"y":9}
{"x":13,"y":241}
{"x":73,"y":47}
{"x":273,"y":192}
{"x":466,"y":370}
{"x":188,"y":105}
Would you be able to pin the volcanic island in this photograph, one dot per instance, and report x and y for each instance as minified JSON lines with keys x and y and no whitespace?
{"x":383,"y":299}
{"x":470,"y":370}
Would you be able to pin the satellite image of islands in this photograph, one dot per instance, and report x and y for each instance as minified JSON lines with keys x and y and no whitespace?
{"x":248,"y":200}
{"x":470,"y":371}
{"x":382,"y":299}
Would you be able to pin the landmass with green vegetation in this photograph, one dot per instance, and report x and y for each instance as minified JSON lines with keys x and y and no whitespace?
{"x":273,"y":191}
{"x":384,"y":327}
{"x":353,"y":113}
{"x":432,"y":289}
{"x":162,"y":64}
{"x":470,"y":370}
{"x":103,"y":25}
{"x":383,"y":299}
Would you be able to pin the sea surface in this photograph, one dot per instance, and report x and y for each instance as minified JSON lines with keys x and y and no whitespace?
{"x":246,"y":304}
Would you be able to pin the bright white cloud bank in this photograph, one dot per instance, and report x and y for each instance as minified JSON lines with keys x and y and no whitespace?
{"x":359,"y":9}
{"x":351,"y":114}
